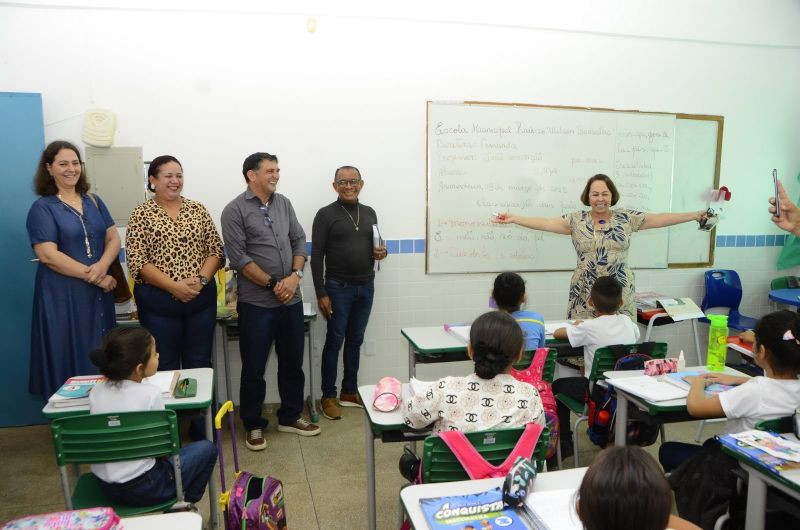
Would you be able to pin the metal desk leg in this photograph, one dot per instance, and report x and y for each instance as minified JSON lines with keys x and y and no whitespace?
{"x":312,"y":402}
{"x":227,"y":361}
{"x":621,"y":427}
{"x":213,"y":496}
{"x":697,"y":343}
{"x":412,"y":369}
{"x":756,"y":501}
{"x":370,"y":441}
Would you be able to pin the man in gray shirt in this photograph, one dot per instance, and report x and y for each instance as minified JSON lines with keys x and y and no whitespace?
{"x":267,"y":246}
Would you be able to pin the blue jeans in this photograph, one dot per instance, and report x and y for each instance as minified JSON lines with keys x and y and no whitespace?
{"x":258,"y":327}
{"x":351,"y":306}
{"x":184,"y":332}
{"x":157,"y":485}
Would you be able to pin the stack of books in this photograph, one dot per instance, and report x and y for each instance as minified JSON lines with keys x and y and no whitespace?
{"x":775,"y":453}
{"x":75,"y":390}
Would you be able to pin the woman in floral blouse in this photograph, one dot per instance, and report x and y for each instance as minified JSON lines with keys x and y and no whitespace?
{"x":173,"y":251}
{"x":601,"y":237}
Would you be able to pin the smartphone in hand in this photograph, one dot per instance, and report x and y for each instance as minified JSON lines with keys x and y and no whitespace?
{"x":777,"y":195}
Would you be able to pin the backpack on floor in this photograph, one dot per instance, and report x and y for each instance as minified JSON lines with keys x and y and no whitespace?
{"x":603,"y":404}
{"x":533,"y":376}
{"x":253,"y":502}
{"x":256,"y":503}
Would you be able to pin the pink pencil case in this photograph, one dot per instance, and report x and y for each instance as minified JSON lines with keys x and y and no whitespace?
{"x":388,"y":393}
{"x":660,"y":366}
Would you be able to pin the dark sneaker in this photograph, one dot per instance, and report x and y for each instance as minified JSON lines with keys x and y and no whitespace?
{"x":351,"y":400}
{"x":255,"y":440}
{"x":301,"y":427}
{"x":330,"y":409}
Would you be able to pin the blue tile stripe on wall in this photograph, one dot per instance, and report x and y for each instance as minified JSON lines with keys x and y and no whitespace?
{"x":417,"y":246}
{"x":768,"y":240}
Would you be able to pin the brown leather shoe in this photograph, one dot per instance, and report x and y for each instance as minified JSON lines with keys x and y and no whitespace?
{"x":255,"y":440}
{"x":351,"y":400}
{"x":301,"y":427}
{"x":330,"y":409}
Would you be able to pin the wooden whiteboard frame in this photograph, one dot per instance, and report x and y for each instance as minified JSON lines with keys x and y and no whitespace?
{"x":720,"y":120}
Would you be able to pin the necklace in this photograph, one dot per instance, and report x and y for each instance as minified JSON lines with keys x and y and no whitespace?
{"x":73,"y":202}
{"x":355,"y":221}
{"x":83,"y":225}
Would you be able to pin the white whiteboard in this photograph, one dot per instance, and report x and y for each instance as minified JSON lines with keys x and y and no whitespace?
{"x":535,"y":161}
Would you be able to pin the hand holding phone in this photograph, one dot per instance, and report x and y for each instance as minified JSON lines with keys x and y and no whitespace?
{"x":777,"y":195}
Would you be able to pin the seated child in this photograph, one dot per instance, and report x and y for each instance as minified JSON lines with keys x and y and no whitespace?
{"x":509,"y":295}
{"x":776,"y":349}
{"x":491,"y":397}
{"x":127,"y":356}
{"x":624,"y":489}
{"x":607,"y":329}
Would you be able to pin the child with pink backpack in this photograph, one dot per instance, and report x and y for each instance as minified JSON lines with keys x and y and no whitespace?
{"x":509,"y":296}
{"x":490,"y":398}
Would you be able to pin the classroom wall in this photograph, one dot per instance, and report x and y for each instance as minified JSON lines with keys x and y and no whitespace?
{"x":211,"y":85}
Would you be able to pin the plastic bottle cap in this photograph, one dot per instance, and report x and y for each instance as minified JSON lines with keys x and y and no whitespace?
{"x":603,"y":417}
{"x":718,"y":320}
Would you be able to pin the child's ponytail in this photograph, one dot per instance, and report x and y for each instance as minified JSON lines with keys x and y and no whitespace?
{"x":496,"y":340}
{"x":779,"y":333}
{"x":123,"y":349}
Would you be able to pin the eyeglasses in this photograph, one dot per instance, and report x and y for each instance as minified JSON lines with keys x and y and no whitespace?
{"x":267,"y":219}
{"x":345,"y":183}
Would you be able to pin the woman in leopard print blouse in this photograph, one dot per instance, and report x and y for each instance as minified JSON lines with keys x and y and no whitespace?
{"x":173,"y":251}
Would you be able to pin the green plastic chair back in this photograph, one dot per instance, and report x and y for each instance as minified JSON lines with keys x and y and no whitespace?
{"x":439,"y":464}
{"x":604,"y":360}
{"x":785,"y":282}
{"x":114,"y":437}
{"x":778,"y":425}
{"x":606,"y":357}
{"x":549,"y":372}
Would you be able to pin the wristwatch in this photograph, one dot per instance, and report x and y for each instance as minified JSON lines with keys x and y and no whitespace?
{"x":271,"y":283}
{"x":299,"y":273}
{"x":203,"y":280}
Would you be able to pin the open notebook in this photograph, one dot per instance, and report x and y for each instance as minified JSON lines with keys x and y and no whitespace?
{"x":649,"y":387}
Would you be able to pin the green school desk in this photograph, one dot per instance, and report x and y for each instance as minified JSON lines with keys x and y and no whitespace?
{"x":670,"y":411}
{"x":202,"y":401}
{"x":759,"y":478}
{"x":432,"y":344}
{"x":388,"y":427}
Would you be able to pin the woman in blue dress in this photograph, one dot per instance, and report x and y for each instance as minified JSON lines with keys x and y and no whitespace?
{"x":75,"y":239}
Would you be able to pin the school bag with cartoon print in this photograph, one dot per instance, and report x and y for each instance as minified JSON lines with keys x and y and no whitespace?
{"x":533,"y":375}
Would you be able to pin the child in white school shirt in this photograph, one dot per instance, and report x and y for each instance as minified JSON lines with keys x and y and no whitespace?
{"x":606,"y":329}
{"x":777,"y":350}
{"x":126,"y":357}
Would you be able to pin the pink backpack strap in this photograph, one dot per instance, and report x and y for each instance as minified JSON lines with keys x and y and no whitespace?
{"x":538,"y":362}
{"x":476,"y":466}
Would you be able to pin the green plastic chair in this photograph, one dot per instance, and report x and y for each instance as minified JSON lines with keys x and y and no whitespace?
{"x":102,"y":438}
{"x":604,"y":360}
{"x":778,"y":425}
{"x":439,"y":464}
{"x":549,"y":372}
{"x":785,"y":282}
